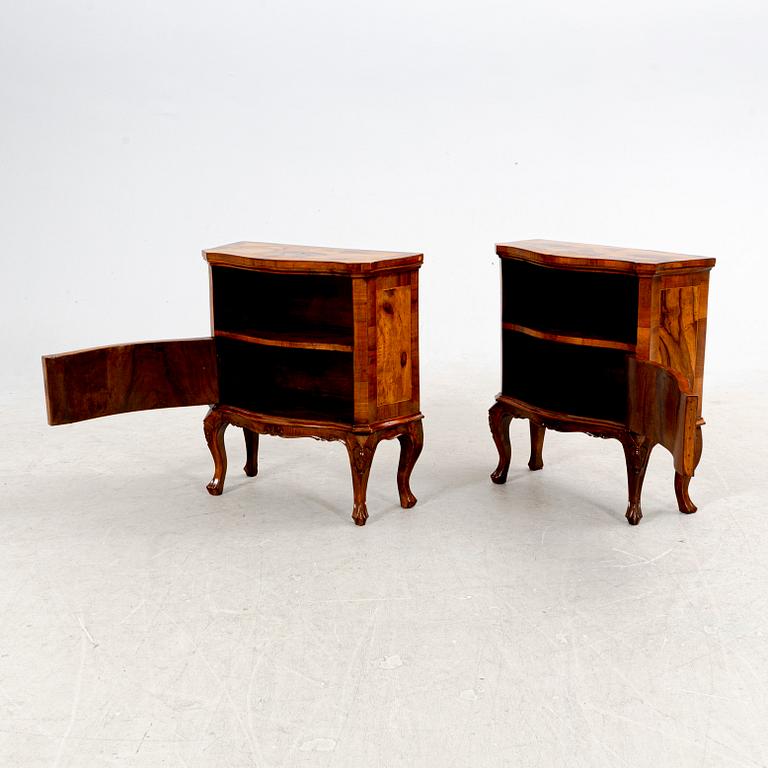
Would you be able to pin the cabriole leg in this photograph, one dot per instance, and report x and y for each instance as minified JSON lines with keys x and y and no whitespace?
{"x":361,"y":449}
{"x":411,"y":443}
{"x":214,"y":426}
{"x":499,"y":418}
{"x":684,"y":503}
{"x":251,"y":452}
{"x":537,"y":443}
{"x":637,"y":450}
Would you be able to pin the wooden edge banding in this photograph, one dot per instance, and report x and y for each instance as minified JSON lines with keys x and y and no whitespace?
{"x":576,"y":340}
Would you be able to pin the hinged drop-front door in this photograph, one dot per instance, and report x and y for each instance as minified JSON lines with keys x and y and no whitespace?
{"x":130,"y":377}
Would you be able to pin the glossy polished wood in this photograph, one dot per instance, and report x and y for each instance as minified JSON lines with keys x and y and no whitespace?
{"x":317,"y":342}
{"x":278,"y":257}
{"x":640,"y":384}
{"x":129,"y":377}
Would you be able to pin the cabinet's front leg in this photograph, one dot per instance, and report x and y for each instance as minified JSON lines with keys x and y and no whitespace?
{"x":214,"y":426}
{"x":361,"y":449}
{"x":684,"y":503}
{"x":411,"y":443}
{"x":637,"y":450}
{"x":499,"y":418}
{"x":251,"y":452}
{"x":537,"y":443}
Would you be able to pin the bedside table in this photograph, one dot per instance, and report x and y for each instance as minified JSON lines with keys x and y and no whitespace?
{"x":607,"y":341}
{"x":306,"y":342}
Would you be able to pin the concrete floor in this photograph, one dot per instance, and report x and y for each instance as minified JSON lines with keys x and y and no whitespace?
{"x":146,"y":623}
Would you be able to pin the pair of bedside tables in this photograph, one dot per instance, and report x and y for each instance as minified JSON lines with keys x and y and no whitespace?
{"x":323,"y":343}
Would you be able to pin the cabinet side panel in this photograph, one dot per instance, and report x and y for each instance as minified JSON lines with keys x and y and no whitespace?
{"x":130,"y":377}
{"x":678,"y":332}
{"x":393,"y":345}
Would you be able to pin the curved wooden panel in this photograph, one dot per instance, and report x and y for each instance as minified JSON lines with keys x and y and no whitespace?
{"x":662,"y":408}
{"x":129,"y":377}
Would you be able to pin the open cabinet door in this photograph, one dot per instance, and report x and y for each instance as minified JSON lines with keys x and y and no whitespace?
{"x":661,"y":408}
{"x":130,"y":377}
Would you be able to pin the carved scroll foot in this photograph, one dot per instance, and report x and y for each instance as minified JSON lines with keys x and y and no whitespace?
{"x":499,"y":418}
{"x":214,"y":426}
{"x":637,"y":450}
{"x":537,"y":443}
{"x":251,"y":452}
{"x":684,"y":503}
{"x":411,"y":443}
{"x":361,"y":450}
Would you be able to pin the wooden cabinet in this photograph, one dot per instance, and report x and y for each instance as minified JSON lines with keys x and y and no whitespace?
{"x":306,"y":342}
{"x":608,"y":341}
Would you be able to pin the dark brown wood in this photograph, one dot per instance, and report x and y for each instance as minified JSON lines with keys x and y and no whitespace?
{"x":537,"y":444}
{"x":251,"y":467}
{"x":129,"y":377}
{"x":361,"y":447}
{"x":622,"y":357}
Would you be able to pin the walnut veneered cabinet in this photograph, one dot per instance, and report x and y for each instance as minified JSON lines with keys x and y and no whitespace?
{"x":307,"y":342}
{"x":608,"y":341}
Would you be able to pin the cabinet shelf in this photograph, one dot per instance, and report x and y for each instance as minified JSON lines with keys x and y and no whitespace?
{"x":319,"y":340}
{"x":582,"y":341}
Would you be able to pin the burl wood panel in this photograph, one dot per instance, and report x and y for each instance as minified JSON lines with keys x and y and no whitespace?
{"x":393,"y":345}
{"x":678,"y":330}
{"x":278,"y":257}
{"x":601,"y":258}
{"x":130,"y":377}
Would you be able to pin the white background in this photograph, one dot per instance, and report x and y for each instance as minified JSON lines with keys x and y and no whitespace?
{"x":134,"y":134}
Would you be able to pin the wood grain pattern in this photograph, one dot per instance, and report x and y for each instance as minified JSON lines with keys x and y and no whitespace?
{"x":278,"y":257}
{"x":677,"y":330}
{"x":287,"y":340}
{"x":129,"y":377}
{"x":568,"y":381}
{"x":393,"y":345}
{"x":602,"y":258}
{"x":578,"y":340}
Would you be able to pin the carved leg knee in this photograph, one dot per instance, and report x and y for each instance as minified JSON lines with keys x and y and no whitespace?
{"x":499,"y":418}
{"x":361,"y":449}
{"x":411,"y":443}
{"x":537,"y":443}
{"x":214,"y":426}
{"x":251,"y":452}
{"x":637,"y":450}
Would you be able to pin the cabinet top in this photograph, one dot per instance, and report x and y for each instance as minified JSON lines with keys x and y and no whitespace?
{"x":600,"y":257}
{"x":277,"y":257}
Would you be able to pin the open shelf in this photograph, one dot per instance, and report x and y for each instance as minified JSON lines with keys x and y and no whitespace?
{"x":577,"y":340}
{"x":574,"y":307}
{"x":590,"y":382}
{"x":335,"y":341}
{"x":298,"y":383}
{"x":293,"y":311}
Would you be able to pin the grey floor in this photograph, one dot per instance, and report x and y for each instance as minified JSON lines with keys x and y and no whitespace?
{"x":145,"y":623}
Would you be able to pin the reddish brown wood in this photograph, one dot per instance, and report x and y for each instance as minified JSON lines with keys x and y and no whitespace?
{"x":278,"y":257}
{"x":361,"y":447}
{"x":637,"y":378}
{"x":251,"y":467}
{"x":129,"y":377}
{"x":322,"y":343}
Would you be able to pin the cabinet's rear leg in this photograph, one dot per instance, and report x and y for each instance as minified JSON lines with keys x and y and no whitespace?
{"x":251,"y":452}
{"x":411,"y":443}
{"x":637,"y":450}
{"x":537,"y":443}
{"x":361,"y":449}
{"x":214,"y":426}
{"x":499,"y":418}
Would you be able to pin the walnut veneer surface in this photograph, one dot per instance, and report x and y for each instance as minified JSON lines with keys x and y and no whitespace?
{"x":608,"y":341}
{"x":306,"y":342}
